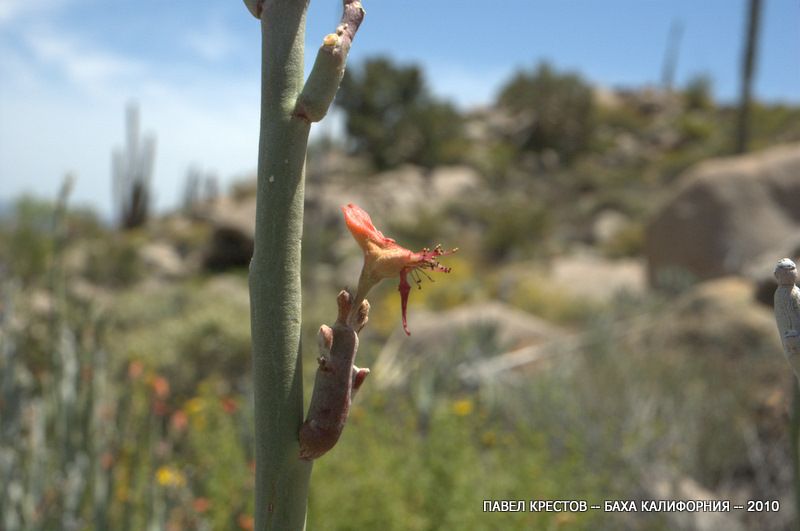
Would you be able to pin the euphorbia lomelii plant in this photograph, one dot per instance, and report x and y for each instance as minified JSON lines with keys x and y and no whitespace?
{"x":288,"y":107}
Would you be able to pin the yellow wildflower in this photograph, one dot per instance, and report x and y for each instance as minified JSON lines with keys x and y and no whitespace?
{"x":195,"y":405}
{"x":168,"y":476}
{"x":463,"y":407}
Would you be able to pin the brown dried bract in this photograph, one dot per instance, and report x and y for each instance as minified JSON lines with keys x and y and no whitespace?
{"x":337,"y":380}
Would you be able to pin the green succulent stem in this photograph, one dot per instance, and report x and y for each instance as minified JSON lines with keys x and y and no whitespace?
{"x":282,"y":478}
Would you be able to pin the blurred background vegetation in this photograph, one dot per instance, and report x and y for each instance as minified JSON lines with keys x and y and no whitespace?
{"x":545,"y":366}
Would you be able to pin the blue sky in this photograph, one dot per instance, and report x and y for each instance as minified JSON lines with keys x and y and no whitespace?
{"x":68,"y":67}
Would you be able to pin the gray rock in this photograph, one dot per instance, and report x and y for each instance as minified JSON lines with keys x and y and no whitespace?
{"x":233,"y":232}
{"x":607,"y":224}
{"x":596,"y":278}
{"x":725,"y":214}
{"x":162,"y":260}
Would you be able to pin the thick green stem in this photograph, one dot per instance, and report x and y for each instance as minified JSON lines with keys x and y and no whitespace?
{"x":275,"y":298}
{"x":281,"y":476}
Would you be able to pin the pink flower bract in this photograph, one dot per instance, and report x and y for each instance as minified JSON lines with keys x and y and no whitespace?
{"x":384,"y":258}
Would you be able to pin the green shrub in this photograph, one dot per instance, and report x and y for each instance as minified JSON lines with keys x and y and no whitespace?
{"x":695,"y":128}
{"x":114,"y":261}
{"x":627,"y":242}
{"x":698,"y":95}
{"x":773,"y":124}
{"x":555,"y":111}
{"x":393,"y":119}
{"x":26,"y":240}
{"x":514,"y":228}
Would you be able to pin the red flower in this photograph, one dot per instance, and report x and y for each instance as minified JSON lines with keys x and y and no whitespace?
{"x":246,"y":522}
{"x":383,"y":258}
{"x":179,"y":420}
{"x":201,"y":504}
{"x":160,"y":386}
{"x":107,"y":460}
{"x":229,"y":405}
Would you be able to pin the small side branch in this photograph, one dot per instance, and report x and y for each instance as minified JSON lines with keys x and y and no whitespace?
{"x":254,"y":6}
{"x":326,"y":75}
{"x":336,"y":382}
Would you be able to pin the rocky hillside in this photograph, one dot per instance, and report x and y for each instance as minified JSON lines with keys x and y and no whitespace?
{"x":600,"y":337}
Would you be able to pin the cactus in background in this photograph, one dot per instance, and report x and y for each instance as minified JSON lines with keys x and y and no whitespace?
{"x":31,"y":471}
{"x":749,"y":59}
{"x":200,"y":190}
{"x":131,"y":171}
{"x":102,"y":434}
{"x":54,"y":422}
{"x":11,"y":409}
{"x":787,"y":317}
{"x":53,"y":431}
{"x":787,"y":311}
{"x":287,"y":110}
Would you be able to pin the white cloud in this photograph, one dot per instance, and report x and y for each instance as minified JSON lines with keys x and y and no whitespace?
{"x":11,"y":10}
{"x":212,"y":43}
{"x":87,"y":66}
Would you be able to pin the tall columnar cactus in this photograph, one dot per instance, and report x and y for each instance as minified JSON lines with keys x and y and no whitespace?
{"x":288,"y":107}
{"x":748,"y":71}
{"x":131,"y":171}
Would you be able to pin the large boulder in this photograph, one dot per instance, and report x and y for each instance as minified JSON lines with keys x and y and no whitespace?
{"x":233,"y":230}
{"x":606,"y":278}
{"x":725,"y":214}
{"x":402,"y":193}
{"x":721,"y":318}
{"x":162,"y":260}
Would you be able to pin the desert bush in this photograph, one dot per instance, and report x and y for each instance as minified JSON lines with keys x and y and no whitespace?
{"x":624,"y":117}
{"x":534,"y":294}
{"x":554,"y":111}
{"x":441,"y":477}
{"x":772,"y":124}
{"x":515,"y":227}
{"x":627,"y":242}
{"x":698,"y":94}
{"x":392,"y":118}
{"x":26,"y":240}
{"x":113,"y":261}
{"x":694,"y":128}
{"x":194,"y":333}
